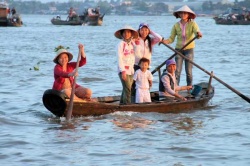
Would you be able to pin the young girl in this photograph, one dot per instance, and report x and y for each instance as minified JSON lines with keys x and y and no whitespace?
{"x":144,"y":44}
{"x":143,"y":80}
{"x":126,"y":60}
{"x":184,"y":30}
{"x":168,"y":88}
{"x":144,"y":47}
{"x":64,"y":73}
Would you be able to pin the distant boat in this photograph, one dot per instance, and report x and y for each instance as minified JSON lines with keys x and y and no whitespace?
{"x":90,"y":17}
{"x":230,"y":21}
{"x":234,"y":17}
{"x":9,"y":18}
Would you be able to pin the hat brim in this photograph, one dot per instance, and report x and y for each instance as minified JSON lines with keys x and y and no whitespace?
{"x":191,"y":15}
{"x":119,"y":35}
{"x":144,"y":26}
{"x":57,"y":56}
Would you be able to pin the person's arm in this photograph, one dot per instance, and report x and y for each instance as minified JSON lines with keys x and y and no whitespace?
{"x":83,"y":60}
{"x":166,"y":83}
{"x":171,"y":37}
{"x":196,"y":30}
{"x":156,"y":37}
{"x":138,"y":48}
{"x":150,"y":83}
{"x":179,"y":96}
{"x":121,"y":66}
{"x":58,"y":71}
{"x":150,"y":79}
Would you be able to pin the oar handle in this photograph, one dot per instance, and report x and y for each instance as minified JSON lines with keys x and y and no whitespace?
{"x":71,"y":102}
{"x":222,"y":82}
{"x":157,"y":68}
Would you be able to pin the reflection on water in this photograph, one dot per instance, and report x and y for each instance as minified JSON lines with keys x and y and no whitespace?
{"x":132,"y":122}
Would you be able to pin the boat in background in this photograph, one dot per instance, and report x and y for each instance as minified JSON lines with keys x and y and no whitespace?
{"x":234,"y":16}
{"x":57,"y":103}
{"x":9,"y":18}
{"x":90,"y":17}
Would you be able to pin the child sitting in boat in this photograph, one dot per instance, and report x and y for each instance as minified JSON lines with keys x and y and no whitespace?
{"x":168,"y":88}
{"x":64,"y":73}
{"x":143,"y":81}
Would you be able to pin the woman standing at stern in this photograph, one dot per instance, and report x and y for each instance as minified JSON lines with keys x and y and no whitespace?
{"x":184,"y":30}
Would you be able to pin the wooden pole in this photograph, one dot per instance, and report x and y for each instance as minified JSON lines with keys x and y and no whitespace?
{"x":163,"y":63}
{"x":71,"y":102}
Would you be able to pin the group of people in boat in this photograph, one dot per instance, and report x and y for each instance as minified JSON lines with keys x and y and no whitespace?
{"x":134,"y":55}
{"x":245,"y":16}
{"x":240,"y":14}
{"x":13,"y":16}
{"x":88,"y":12}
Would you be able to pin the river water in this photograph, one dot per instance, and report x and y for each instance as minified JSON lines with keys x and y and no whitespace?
{"x":31,"y":135}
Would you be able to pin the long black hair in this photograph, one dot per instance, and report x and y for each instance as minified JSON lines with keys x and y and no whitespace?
{"x":149,"y":40}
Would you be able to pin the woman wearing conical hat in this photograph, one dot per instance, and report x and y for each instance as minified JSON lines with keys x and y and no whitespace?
{"x":184,"y":30}
{"x":64,"y":72}
{"x":126,"y":60}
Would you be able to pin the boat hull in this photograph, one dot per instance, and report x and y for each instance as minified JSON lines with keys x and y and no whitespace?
{"x":58,"y":105}
{"x":223,"y":21}
{"x":14,"y":21}
{"x":80,"y":20}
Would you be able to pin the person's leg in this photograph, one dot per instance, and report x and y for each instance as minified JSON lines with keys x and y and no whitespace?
{"x":122,"y":94}
{"x":129,"y":83}
{"x":133,"y":90}
{"x":126,"y":92}
{"x":179,"y":62}
{"x":138,"y":98}
{"x":146,"y":96}
{"x":189,"y":66}
{"x":68,"y":93}
{"x":83,"y":93}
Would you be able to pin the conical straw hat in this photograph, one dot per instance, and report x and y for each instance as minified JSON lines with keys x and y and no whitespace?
{"x":134,"y":32}
{"x":59,"y":52}
{"x":185,"y":8}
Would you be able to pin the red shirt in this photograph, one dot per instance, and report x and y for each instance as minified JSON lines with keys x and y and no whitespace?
{"x":60,"y":75}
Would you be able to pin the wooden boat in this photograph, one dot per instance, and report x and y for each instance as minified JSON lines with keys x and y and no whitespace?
{"x":57,"y":103}
{"x":86,"y":19}
{"x":7,"y":19}
{"x":225,"y":21}
{"x":234,"y":16}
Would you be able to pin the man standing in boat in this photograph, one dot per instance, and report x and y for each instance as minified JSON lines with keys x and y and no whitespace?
{"x":72,"y":13}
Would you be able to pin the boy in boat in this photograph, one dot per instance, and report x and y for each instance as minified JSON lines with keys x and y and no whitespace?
{"x":143,"y":81}
{"x":168,"y":88}
{"x":64,"y":73}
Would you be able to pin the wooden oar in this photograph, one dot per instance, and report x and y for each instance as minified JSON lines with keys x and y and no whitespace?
{"x":222,"y":82}
{"x":69,"y":112}
{"x":157,"y":68}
